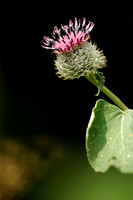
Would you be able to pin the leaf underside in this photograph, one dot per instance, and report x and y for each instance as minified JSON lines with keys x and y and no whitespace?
{"x":109,"y":138}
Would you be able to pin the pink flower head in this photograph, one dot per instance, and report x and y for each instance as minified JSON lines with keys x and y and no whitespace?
{"x":68,"y":36}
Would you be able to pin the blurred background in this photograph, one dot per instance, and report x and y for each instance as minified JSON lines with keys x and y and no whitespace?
{"x":43,"y":119}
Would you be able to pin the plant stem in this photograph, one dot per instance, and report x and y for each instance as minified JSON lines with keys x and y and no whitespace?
{"x":107,"y":92}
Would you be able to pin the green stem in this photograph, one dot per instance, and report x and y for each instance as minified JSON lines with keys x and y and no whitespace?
{"x":107,"y":92}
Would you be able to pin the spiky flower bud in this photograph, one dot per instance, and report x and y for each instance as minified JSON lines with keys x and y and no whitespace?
{"x":80,"y":61}
{"x":75,"y":55}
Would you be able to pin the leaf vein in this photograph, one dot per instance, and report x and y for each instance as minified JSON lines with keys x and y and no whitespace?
{"x":121,"y":132}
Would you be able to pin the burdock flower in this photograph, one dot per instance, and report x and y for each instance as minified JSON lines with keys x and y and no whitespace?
{"x":75,"y":54}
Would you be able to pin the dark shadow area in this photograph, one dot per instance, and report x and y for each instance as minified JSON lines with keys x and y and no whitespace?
{"x":97,"y":132}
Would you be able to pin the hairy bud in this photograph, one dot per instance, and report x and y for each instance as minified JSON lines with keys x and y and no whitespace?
{"x":80,"y":61}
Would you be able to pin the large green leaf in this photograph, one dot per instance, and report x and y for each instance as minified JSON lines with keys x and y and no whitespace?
{"x":109,"y":138}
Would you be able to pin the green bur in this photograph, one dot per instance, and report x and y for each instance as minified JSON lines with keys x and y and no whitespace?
{"x":82,"y":60}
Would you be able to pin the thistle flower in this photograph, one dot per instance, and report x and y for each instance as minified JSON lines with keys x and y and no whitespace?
{"x":75,"y":55}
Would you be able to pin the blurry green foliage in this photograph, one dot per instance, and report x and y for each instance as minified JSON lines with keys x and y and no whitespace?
{"x":74,"y":179}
